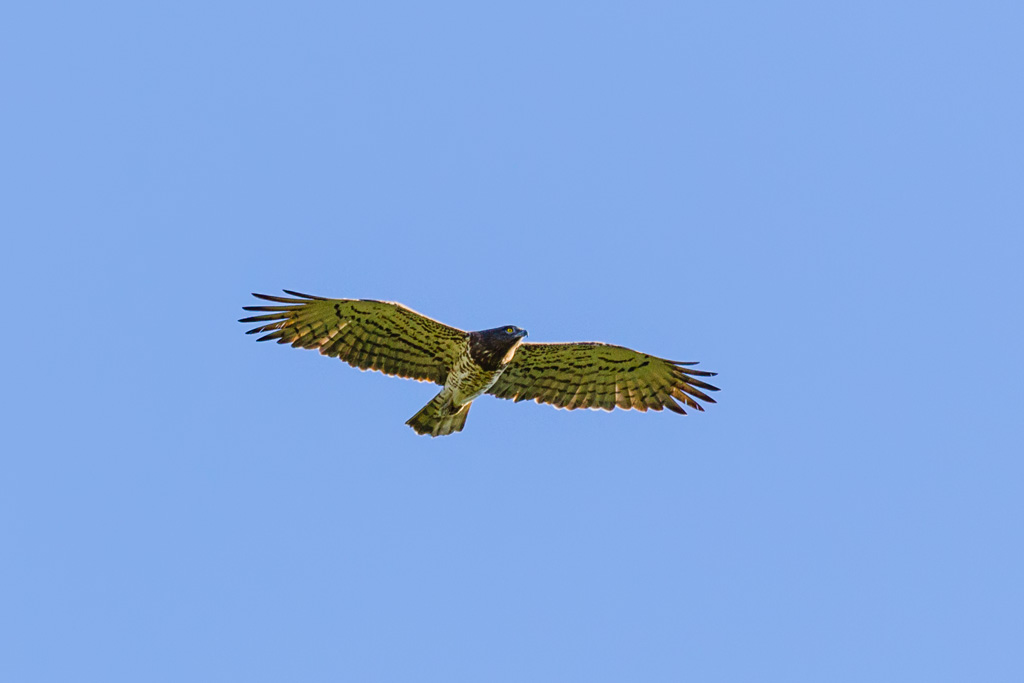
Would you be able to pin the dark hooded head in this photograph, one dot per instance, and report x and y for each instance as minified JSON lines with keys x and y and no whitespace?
{"x":491,"y":348}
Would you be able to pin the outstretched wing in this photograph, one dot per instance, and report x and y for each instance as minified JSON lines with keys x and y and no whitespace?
{"x":594,"y":375}
{"x":367,"y":334}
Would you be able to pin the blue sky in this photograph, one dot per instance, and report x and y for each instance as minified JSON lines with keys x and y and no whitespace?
{"x":821,"y":202}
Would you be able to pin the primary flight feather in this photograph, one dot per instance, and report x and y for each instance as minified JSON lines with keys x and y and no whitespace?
{"x":387,"y":336}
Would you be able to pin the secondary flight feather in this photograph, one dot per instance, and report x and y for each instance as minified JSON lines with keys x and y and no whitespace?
{"x":396,"y":340}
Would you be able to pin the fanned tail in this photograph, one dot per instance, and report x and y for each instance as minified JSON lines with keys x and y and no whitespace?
{"x":437,"y":418}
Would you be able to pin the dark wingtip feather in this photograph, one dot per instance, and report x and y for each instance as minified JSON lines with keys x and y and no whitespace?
{"x":702,"y":385}
{"x":687,"y":376}
{"x":304,"y":296}
{"x":698,"y":373}
{"x":250,"y":321}
{"x":692,"y":390}
{"x":684,"y":366}
{"x":278,"y":299}
{"x":273,"y":309}
{"x":673,"y":406}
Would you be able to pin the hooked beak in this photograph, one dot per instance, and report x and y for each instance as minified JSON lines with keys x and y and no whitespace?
{"x":523,"y":333}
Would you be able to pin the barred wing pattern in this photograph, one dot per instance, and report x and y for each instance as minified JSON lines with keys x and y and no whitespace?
{"x":595,"y":375}
{"x":367,"y":334}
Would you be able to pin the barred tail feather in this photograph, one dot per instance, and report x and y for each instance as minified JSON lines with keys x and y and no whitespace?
{"x":437,"y":418}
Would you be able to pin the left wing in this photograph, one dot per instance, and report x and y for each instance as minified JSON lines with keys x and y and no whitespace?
{"x":367,"y":334}
{"x":595,"y":375}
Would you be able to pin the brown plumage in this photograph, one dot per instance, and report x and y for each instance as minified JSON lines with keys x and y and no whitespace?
{"x":595,"y":375}
{"x":387,"y":336}
{"x":367,"y":334}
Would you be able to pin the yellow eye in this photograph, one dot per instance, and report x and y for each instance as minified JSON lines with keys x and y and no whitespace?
{"x":509,"y":330}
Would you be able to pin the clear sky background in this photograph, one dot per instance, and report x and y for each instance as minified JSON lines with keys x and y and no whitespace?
{"x":820,"y":201}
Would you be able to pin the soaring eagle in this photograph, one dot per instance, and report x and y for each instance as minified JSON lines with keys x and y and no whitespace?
{"x":387,"y":336}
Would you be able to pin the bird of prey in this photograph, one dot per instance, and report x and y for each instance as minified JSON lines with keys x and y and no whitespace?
{"x":387,"y":336}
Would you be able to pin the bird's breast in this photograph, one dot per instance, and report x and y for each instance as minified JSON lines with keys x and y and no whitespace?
{"x":467,"y":380}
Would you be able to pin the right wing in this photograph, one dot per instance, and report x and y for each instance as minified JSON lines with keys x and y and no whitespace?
{"x":596,"y":375}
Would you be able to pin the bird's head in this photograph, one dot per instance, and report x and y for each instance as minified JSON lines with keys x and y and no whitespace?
{"x":510,"y":332}
{"x":494,"y":347}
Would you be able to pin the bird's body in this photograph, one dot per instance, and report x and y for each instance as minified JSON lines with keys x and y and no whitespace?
{"x":477,"y":368}
{"x":468,"y":381}
{"x":386,"y":336}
